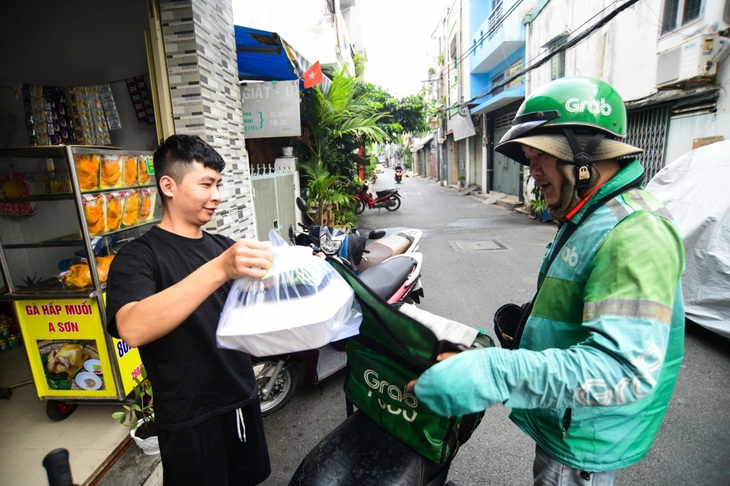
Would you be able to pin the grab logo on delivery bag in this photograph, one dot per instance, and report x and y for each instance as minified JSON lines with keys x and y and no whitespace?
{"x":384,"y":388}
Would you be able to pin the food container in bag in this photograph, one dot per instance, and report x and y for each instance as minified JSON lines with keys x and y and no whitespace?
{"x":303,"y":304}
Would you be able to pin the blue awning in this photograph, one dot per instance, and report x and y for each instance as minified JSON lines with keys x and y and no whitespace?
{"x":265,"y":56}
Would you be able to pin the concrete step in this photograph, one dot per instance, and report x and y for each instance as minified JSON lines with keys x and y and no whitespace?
{"x":508,"y":201}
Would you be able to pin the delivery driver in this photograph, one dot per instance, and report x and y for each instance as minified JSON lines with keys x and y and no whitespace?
{"x":600,"y":352}
{"x":165,"y":293}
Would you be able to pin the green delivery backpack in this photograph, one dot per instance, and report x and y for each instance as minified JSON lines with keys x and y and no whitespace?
{"x":391,"y":350}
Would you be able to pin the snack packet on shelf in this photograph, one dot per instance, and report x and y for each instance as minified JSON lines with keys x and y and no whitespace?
{"x":87,"y":171}
{"x":130,"y":170}
{"x":147,"y":197}
{"x":95,"y":213}
{"x":130,"y":214}
{"x":111,"y":171}
{"x":114,"y":206}
{"x":143,"y":175}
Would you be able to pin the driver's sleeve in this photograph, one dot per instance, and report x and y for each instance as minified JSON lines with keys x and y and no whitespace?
{"x":623,"y":353}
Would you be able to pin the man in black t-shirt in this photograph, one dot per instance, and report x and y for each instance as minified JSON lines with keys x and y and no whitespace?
{"x":165,"y":293}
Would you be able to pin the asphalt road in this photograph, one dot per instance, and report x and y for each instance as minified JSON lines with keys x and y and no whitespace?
{"x":478,"y":256}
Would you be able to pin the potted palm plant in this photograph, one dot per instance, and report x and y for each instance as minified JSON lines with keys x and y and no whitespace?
{"x":139,"y":416}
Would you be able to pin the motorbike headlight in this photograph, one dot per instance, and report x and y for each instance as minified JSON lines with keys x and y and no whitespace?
{"x":329,"y":244}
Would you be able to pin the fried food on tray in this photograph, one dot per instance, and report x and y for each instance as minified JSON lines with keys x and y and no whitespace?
{"x":79,"y":276}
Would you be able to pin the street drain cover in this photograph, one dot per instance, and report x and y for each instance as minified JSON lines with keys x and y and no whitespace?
{"x":476,"y":245}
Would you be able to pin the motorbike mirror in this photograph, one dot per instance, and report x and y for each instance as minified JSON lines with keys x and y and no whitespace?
{"x":304,"y":209}
{"x":375,"y":234}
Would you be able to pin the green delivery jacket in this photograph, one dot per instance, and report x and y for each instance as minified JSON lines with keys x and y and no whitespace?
{"x":609,"y":321}
{"x":601,"y":350}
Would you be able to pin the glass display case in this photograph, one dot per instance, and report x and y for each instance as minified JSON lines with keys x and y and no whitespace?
{"x":64,"y":213}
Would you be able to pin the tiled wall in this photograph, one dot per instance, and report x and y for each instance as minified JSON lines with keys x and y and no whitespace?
{"x":200,"y":48}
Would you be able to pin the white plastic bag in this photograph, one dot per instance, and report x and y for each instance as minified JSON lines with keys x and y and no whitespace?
{"x":302,"y":303}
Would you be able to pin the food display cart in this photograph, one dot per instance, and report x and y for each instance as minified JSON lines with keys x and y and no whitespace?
{"x":64,"y":213}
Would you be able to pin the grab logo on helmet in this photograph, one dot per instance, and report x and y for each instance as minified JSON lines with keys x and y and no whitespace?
{"x":574,"y":105}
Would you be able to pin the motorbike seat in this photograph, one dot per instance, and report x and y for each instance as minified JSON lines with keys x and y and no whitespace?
{"x":359,"y":452}
{"x":384,"y":248}
{"x":384,"y":279}
{"x":384,"y":192}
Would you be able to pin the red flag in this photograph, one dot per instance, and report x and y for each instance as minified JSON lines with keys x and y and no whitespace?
{"x":312,"y":76}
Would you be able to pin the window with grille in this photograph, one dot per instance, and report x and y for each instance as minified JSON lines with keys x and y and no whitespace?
{"x":557,"y":65}
{"x":647,"y":129}
{"x":678,"y":13}
{"x":498,"y":79}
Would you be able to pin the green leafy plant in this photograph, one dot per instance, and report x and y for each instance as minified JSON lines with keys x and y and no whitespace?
{"x":325,"y":192}
{"x":141,"y":410}
{"x":538,"y":204}
{"x":29,"y":281}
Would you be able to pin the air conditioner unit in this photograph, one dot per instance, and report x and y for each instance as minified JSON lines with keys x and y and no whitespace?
{"x":693,"y":60}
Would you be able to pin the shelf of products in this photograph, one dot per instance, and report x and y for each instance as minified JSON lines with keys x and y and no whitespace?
{"x":64,"y":213}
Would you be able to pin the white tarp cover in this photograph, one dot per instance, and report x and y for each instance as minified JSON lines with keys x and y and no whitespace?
{"x":693,"y":188}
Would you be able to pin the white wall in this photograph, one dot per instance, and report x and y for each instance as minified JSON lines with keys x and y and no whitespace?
{"x":623,"y":52}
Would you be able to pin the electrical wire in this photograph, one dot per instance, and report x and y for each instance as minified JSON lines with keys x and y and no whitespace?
{"x":535,"y":64}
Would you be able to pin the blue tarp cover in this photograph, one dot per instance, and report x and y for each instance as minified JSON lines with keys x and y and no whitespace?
{"x":263,"y":56}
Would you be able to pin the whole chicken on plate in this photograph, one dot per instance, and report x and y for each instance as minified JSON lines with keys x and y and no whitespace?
{"x":69,"y":359}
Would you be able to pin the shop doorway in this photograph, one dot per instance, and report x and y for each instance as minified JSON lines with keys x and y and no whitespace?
{"x":506,"y":170}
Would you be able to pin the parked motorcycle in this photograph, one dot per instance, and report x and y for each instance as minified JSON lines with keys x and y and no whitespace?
{"x":387,"y":198}
{"x":398,"y":174}
{"x":379,"y":245}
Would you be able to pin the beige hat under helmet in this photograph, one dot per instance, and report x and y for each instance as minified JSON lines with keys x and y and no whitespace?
{"x":557,"y":146}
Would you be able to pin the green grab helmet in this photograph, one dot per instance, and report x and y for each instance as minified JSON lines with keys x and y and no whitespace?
{"x":576,"y":102}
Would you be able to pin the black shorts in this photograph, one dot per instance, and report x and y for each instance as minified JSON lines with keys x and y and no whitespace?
{"x":211,"y":453}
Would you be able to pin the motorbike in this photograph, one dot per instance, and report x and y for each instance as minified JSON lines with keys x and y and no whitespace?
{"x":387,"y":198}
{"x":393,"y":277}
{"x":398,"y":175}
{"x":360,"y":251}
{"x":374,"y":177}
